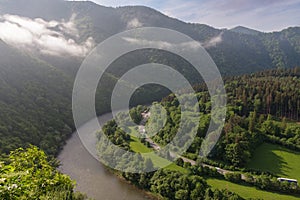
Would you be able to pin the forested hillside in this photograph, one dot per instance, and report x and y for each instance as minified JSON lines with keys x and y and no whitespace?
{"x":34,"y":102}
{"x":263,"y":112}
{"x":36,"y":88}
{"x":235,"y":51}
{"x":37,"y":72}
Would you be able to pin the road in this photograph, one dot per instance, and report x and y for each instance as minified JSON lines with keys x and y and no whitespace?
{"x":157,"y":147}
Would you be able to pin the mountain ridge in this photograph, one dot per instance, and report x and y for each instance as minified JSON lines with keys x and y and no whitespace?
{"x":245,"y":30}
{"x":31,"y":83}
{"x":235,"y":51}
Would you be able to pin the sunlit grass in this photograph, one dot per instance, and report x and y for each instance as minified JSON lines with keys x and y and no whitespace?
{"x":139,"y":147}
{"x":248,"y":191}
{"x":278,"y":160}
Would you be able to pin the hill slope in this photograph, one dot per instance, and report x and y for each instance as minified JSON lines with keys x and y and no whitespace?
{"x":34,"y":102}
{"x":35,"y":93}
{"x":240,"y":50}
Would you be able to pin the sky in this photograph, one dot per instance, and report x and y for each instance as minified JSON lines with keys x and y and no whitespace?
{"x":263,"y":15}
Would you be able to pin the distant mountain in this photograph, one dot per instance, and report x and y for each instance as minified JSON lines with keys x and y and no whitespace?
{"x":245,"y":30}
{"x":237,"y":51}
{"x":36,"y":85}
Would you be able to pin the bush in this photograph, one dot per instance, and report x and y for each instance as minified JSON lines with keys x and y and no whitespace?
{"x":29,"y":175}
{"x":233,"y":177}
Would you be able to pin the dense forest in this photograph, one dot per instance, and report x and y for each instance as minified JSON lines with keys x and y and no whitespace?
{"x":239,"y":52}
{"x":36,"y":91}
{"x":36,"y":88}
{"x":36,"y":109}
{"x":34,"y":102}
{"x":262,"y":108}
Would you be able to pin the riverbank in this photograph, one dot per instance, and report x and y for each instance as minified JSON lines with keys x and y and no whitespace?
{"x":93,"y":178}
{"x":150,"y":195}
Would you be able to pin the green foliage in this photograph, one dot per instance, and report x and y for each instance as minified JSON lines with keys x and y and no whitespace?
{"x":247,"y":126}
{"x":174,"y":185}
{"x":136,"y":114}
{"x":29,"y":175}
{"x":179,"y":162}
{"x":233,"y":177}
{"x":35,"y":106}
{"x":35,"y":100}
{"x":248,"y":192}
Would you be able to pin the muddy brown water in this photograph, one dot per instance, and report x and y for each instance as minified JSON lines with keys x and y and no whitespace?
{"x":91,"y":176}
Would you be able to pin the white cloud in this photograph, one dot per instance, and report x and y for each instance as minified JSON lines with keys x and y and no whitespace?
{"x":134,"y":23}
{"x":141,"y":42}
{"x":46,"y":36}
{"x":192,"y":45}
{"x":213,"y":41}
{"x":13,"y":34}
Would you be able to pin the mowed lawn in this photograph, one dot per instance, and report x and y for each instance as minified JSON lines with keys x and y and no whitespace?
{"x":248,"y":191}
{"x":276,"y":159}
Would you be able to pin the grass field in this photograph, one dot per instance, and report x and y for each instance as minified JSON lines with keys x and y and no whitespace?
{"x":248,"y":191}
{"x":276,"y":159}
{"x":137,"y":146}
{"x":268,"y":157}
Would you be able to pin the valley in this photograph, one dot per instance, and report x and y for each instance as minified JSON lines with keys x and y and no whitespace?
{"x":42,"y":46}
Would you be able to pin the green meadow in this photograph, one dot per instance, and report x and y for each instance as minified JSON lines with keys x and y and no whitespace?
{"x":139,"y":147}
{"x":276,"y":159}
{"x":248,"y":192}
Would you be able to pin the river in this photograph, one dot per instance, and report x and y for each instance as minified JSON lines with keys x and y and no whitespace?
{"x":91,"y":176}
